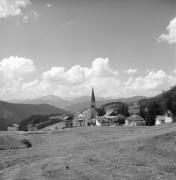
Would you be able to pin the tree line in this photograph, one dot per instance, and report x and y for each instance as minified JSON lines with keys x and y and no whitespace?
{"x":159,"y":105}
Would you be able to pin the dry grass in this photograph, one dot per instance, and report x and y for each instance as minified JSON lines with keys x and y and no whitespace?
{"x":95,"y":153}
{"x":8,"y":142}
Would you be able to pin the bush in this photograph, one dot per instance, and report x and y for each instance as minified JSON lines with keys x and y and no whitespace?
{"x":26,"y":142}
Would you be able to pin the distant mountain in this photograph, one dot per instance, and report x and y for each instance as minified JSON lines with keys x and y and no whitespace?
{"x":77,"y":107}
{"x":49,"y":99}
{"x":77,"y":104}
{"x":57,"y":101}
{"x":14,"y":113}
{"x":101,"y":101}
{"x":83,"y":99}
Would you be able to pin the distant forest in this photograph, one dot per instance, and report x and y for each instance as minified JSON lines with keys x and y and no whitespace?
{"x":117,"y":107}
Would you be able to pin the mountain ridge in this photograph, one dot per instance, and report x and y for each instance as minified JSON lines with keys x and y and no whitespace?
{"x":14,"y":113}
{"x":76,"y":104}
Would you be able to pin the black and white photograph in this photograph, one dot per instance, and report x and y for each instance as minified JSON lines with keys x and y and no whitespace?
{"x":87,"y":89}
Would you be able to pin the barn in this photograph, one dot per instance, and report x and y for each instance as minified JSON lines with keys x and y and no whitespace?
{"x":134,"y":120}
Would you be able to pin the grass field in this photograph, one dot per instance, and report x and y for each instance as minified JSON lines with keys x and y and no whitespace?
{"x":95,"y":153}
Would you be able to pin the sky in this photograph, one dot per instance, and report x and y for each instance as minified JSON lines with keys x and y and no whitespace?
{"x":121,"y":48}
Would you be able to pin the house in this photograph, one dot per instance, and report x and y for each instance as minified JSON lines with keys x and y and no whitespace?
{"x":104,"y":121}
{"x":134,"y":120}
{"x":167,"y":118}
{"x":97,"y":123}
{"x":68,"y":121}
{"x":108,"y":120}
{"x":13,"y":127}
{"x":159,"y":120}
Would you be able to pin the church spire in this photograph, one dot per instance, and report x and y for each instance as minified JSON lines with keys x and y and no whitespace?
{"x":92,"y":97}
{"x":93,"y":108}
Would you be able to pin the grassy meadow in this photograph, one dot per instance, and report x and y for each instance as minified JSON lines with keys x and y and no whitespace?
{"x":93,"y":153}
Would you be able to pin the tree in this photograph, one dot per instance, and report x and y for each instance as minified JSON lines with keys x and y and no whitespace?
{"x":101,"y":111}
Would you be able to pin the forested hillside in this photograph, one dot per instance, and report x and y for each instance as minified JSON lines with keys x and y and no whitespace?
{"x":14,"y":113}
{"x":158,"y":105}
{"x":115,"y":108}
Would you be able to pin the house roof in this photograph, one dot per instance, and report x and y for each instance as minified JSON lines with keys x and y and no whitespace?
{"x":109,"y":117}
{"x":104,"y":119}
{"x":135,"y":117}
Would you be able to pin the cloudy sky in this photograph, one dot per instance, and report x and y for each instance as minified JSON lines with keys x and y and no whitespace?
{"x":122,"y":48}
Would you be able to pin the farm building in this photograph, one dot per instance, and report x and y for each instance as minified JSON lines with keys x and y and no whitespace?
{"x":13,"y":127}
{"x":104,"y":121}
{"x":134,"y":120}
{"x":159,"y":120}
{"x":168,"y":118}
{"x":111,"y":120}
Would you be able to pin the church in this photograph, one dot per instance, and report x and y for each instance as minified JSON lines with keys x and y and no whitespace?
{"x":86,"y":117}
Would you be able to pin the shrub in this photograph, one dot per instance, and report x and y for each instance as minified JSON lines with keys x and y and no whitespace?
{"x":26,"y":142}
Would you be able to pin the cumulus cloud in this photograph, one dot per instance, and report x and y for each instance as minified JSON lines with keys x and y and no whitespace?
{"x":12,"y":7}
{"x":30,"y":15}
{"x":131,"y":71}
{"x":48,"y":5}
{"x":77,"y":81}
{"x":14,"y":67}
{"x":77,"y":74}
{"x":151,"y":84}
{"x":170,"y":37}
{"x":13,"y":71}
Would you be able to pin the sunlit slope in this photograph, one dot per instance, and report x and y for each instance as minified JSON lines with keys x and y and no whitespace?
{"x":96,"y":153}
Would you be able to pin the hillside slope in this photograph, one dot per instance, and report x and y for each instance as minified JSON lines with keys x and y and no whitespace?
{"x":74,"y":105}
{"x":49,"y":99}
{"x":96,"y":153}
{"x":14,"y":113}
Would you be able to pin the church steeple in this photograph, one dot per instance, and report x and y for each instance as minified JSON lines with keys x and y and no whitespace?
{"x":92,"y":97}
{"x":93,"y":106}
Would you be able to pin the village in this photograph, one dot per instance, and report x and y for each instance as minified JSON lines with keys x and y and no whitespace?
{"x":90,"y":117}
